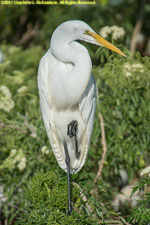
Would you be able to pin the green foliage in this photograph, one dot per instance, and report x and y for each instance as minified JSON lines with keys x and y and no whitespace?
{"x":41,"y":187}
{"x":125,"y":104}
{"x":141,"y":214}
{"x":123,"y":100}
{"x":30,"y":194}
{"x":50,"y":203}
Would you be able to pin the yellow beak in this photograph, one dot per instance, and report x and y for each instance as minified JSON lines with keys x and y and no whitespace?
{"x":105,"y":43}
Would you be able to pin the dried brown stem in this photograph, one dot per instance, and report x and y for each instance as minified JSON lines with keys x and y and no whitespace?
{"x":30,"y":126}
{"x":3,"y":125}
{"x":31,"y":32}
{"x":20,"y":129}
{"x":84,"y":198}
{"x":6,"y":222}
{"x":101,"y":163}
{"x":114,"y":222}
{"x":137,"y":27}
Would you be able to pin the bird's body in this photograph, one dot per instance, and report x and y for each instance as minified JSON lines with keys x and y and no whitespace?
{"x":74,"y":101}
{"x":67,"y":92}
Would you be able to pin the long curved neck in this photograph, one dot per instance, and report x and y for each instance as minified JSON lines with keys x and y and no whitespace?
{"x":69,"y":51}
{"x":74,"y":82}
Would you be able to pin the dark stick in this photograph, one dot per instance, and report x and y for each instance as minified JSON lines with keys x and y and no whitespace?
{"x":76,"y":144}
{"x":72,"y":132}
{"x":68,"y":177}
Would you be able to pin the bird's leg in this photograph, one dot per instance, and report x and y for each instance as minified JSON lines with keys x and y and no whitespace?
{"x":68,"y":177}
{"x":72,"y":132}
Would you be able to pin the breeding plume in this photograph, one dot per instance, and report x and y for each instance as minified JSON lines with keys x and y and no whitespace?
{"x":67,"y":91}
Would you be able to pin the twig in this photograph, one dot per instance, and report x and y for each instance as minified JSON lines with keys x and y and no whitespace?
{"x":6,"y":222}
{"x":114,"y":221}
{"x":84,"y":198}
{"x":101,"y":163}
{"x":111,"y":222}
{"x":3,"y":125}
{"x":17,"y":207}
{"x":30,"y":126}
{"x":123,"y":221}
{"x":31,"y":32}
{"x":22,"y":130}
{"x":137,"y":28}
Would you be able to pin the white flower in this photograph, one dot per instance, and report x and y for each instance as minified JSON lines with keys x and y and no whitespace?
{"x":137,"y":66}
{"x":15,"y":159}
{"x":145,"y":171}
{"x":22,"y":90}
{"x":13,"y":152}
{"x":21,"y":165}
{"x":24,"y":159}
{"x":45,"y":150}
{"x":105,"y":31}
{"x":6,"y":102}
{"x":116,"y":32}
{"x":18,"y":158}
{"x":128,"y":69}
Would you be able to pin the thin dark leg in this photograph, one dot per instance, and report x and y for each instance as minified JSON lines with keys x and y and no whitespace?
{"x":72,"y":132}
{"x":68,"y":177}
{"x":76,"y":144}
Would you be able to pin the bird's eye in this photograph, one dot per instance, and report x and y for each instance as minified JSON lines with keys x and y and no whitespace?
{"x":86,"y":32}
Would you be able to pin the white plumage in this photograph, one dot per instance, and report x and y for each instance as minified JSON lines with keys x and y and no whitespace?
{"x":67,"y":90}
{"x":60,"y":111}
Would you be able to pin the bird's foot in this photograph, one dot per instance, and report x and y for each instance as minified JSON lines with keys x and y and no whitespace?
{"x":72,"y":132}
{"x":72,"y":128}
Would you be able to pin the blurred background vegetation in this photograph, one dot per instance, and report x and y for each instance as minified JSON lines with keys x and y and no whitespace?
{"x":28,"y":169}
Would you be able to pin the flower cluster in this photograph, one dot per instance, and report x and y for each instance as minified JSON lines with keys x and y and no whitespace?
{"x":145,"y":171}
{"x":128,"y":69}
{"x":22,"y":90}
{"x":15,"y":159}
{"x":45,"y":150}
{"x":18,"y":77}
{"x":116,"y":32}
{"x":6,"y":101}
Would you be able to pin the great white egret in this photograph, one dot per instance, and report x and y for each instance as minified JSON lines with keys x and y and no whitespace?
{"x":67,"y":91}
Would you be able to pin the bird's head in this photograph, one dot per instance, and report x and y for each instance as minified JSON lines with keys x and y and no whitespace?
{"x":78,"y":30}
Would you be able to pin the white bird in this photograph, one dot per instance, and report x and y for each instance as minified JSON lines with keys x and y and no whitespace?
{"x":67,"y":91}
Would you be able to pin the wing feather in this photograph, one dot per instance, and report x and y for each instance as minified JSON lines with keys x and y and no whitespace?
{"x":45,"y":102}
{"x":87,"y":108}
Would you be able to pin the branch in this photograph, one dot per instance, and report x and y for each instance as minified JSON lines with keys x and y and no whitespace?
{"x":113,"y":221}
{"x":101,"y":163}
{"x":22,"y":130}
{"x":84,"y":198}
{"x":137,"y":27}
{"x":30,"y":126}
{"x":31,"y":32}
{"x":3,"y":125}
